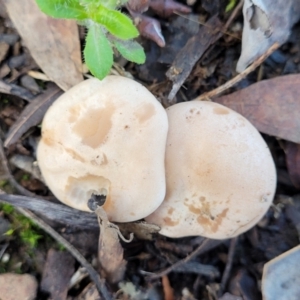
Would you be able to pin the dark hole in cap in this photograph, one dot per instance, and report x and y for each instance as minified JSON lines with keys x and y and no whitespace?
{"x":95,"y":201}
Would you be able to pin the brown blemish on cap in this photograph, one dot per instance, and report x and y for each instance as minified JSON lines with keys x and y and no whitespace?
{"x":95,"y":125}
{"x":205,"y":208}
{"x":212,"y":223}
{"x":169,"y":222}
{"x":48,"y":138}
{"x":145,"y":112}
{"x":170,"y":210}
{"x":221,"y":111}
{"x":194,"y":209}
{"x":74,"y":112}
{"x":75,"y":155}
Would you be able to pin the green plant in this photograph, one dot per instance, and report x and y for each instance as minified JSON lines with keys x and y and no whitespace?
{"x":231,"y":4}
{"x":108,"y":29}
{"x":21,"y":226}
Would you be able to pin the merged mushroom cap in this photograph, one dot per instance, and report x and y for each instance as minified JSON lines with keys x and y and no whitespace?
{"x":220,"y":174}
{"x":106,"y":138}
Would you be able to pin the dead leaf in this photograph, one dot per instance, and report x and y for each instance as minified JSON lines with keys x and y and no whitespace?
{"x":228,"y":296}
{"x":281,"y":276}
{"x":194,"y":49}
{"x":168,"y":291}
{"x":53,"y":43}
{"x":292,"y":152}
{"x":166,"y":8}
{"x":4,"y":47}
{"x":57,"y":272}
{"x":243,"y":284}
{"x":110,"y":255}
{"x":89,"y":293}
{"x":272,"y":106}
{"x":141,"y":230}
{"x":27,"y":164}
{"x":265,"y":22}
{"x":13,"y":89}
{"x":129,"y":291}
{"x":32,"y":114}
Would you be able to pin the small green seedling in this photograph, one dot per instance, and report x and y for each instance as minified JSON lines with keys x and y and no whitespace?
{"x":21,"y":226}
{"x":231,"y":4}
{"x":108,"y":29}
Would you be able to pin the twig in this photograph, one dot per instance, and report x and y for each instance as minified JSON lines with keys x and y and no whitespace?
{"x":11,"y":179}
{"x":233,"y":14}
{"x":54,"y":211}
{"x":239,"y":77}
{"x":102,"y":289}
{"x":196,"y":252}
{"x":228,"y":267}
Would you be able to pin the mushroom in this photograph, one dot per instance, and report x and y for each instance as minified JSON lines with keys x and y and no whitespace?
{"x":220,"y":174}
{"x":106,"y":139}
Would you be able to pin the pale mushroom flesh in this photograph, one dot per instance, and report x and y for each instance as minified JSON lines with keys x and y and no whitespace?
{"x":106,"y":138}
{"x":220,"y":173}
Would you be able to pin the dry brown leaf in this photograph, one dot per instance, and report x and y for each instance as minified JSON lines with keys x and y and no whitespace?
{"x":292,"y":152}
{"x":57,"y":273}
{"x":194,"y":50}
{"x":32,"y":114}
{"x":110,"y":252}
{"x":53,"y":43}
{"x":89,"y":293}
{"x":272,"y":106}
{"x":168,"y":291}
{"x":140,"y":229}
{"x":13,"y":89}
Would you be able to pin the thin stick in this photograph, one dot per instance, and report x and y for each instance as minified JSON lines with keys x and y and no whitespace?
{"x":180,"y":262}
{"x":102,"y":289}
{"x":228,"y":267}
{"x":11,"y":179}
{"x":239,"y":77}
{"x":234,"y":14}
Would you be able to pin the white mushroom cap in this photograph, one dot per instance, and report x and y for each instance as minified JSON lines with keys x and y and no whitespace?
{"x":106,"y":138}
{"x":219,"y":171}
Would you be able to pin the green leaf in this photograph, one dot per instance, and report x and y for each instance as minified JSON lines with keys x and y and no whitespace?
{"x":98,"y":53}
{"x":9,"y":232}
{"x":230,"y":5}
{"x":63,"y":9}
{"x":131,"y":50}
{"x":115,"y":22}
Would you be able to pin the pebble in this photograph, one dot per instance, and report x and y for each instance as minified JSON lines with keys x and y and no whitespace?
{"x":17,"y":287}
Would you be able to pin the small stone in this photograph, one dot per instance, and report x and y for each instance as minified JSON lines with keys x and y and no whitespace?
{"x":17,"y":61}
{"x":17,"y":287}
{"x":9,"y":39}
